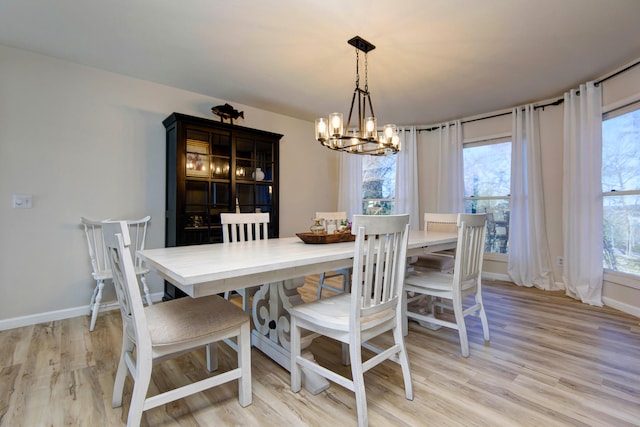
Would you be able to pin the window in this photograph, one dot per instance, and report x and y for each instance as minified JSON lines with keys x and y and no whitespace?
{"x":378,"y":184}
{"x":621,"y":189}
{"x":487,"y":184}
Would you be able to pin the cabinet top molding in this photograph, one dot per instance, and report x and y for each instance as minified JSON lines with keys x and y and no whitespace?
{"x":185,"y":118}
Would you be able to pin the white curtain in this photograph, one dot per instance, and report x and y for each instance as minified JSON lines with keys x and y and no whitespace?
{"x":450,"y":185}
{"x":529,"y":262}
{"x":407,"y":200}
{"x":350,"y":184}
{"x":582,"y":194}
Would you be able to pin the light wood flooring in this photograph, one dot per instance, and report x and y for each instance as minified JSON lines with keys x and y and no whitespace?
{"x":552,"y":361}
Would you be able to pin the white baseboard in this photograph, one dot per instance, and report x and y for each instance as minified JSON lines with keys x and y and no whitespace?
{"x":495,"y":276}
{"x":68,"y":313}
{"x":618,"y":305}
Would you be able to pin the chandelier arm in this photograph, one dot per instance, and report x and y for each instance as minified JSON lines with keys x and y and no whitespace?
{"x":370,"y":105}
{"x":353,"y":99}
{"x":361,"y":111}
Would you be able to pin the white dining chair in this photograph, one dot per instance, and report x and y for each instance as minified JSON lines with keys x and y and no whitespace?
{"x":465,"y":281}
{"x":169,"y":329}
{"x":373,"y":307}
{"x":101,"y":270}
{"x":441,"y":261}
{"x":345,"y":273}
{"x":240,"y":227}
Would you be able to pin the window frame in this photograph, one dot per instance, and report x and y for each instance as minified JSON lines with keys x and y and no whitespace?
{"x":391,"y":200}
{"x":610,"y":112}
{"x":482,"y":141}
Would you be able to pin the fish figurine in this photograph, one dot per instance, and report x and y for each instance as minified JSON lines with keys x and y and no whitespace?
{"x":227,"y":112}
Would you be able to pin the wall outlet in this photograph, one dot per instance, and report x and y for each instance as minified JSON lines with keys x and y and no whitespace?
{"x":560,"y":261}
{"x":22,"y":201}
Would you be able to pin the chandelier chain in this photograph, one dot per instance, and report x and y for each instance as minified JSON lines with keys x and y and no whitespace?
{"x":358,"y":69}
{"x":366,"y":72}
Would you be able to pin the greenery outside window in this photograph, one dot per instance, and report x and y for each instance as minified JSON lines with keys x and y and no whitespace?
{"x":378,"y":184}
{"x":621,"y":189}
{"x":487,"y":187}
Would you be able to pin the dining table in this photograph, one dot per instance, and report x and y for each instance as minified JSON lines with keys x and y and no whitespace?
{"x":278,"y":266}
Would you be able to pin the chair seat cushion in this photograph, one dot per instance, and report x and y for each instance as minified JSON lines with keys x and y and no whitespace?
{"x":333,"y":313}
{"x":435,"y":261}
{"x":434,"y":281}
{"x":429,"y":280}
{"x":185,"y":319}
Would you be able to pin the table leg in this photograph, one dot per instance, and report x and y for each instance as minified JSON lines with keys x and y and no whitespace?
{"x":271,"y":328}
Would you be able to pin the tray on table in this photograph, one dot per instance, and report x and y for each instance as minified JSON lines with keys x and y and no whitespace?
{"x":313,"y":238}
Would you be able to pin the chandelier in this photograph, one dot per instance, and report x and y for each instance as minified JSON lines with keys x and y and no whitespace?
{"x":333,"y":134}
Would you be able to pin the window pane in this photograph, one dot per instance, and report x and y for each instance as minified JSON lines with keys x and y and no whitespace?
{"x":621,"y":152}
{"x":622,"y":233}
{"x":487,"y":170}
{"x":621,"y":213}
{"x":378,"y":184}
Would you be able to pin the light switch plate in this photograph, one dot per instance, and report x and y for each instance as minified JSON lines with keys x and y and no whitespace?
{"x":22,"y":201}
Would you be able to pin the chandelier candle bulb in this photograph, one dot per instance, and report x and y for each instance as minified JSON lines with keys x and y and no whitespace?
{"x":336,"y":120}
{"x":322,"y":129}
{"x":370,"y":128}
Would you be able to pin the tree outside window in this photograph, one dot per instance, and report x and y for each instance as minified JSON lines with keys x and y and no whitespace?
{"x":487,"y":184}
{"x":621,"y":190}
{"x":378,"y":185}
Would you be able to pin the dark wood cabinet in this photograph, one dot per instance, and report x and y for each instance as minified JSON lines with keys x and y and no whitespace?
{"x":215,"y":167}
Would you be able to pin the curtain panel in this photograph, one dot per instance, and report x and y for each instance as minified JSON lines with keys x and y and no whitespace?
{"x":450,"y":185}
{"x":529,"y":262}
{"x":582,"y":194}
{"x":350,"y":184}
{"x":407,"y":195}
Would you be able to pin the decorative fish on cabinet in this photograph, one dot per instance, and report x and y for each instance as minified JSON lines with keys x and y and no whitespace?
{"x":227,"y":112}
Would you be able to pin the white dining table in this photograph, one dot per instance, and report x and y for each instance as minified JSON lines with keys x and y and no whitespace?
{"x":279,"y":267}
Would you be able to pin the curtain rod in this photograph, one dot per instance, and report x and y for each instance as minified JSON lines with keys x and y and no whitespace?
{"x":556,"y":102}
{"x":628,"y":67}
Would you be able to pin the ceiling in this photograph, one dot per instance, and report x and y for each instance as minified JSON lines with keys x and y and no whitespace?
{"x":435,"y":60}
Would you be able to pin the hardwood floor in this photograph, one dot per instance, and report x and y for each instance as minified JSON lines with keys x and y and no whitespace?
{"x":552,"y":361}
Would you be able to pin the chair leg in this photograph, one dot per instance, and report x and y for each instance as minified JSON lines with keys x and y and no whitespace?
{"x":139,"y":395}
{"x":121,"y":374}
{"x":96,"y":304}
{"x":320,"y":285}
{"x":483,"y":318}
{"x":462,"y":327}
{"x":145,"y":289}
{"x":346,"y":281}
{"x":404,"y":361}
{"x":345,"y":354}
{"x":93,"y":298}
{"x":211,"y":351}
{"x":294,"y":342}
{"x":244,"y":363}
{"x":355,"y":351}
{"x":246,"y":300}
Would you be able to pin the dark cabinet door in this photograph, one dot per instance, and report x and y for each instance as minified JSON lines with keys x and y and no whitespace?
{"x":215,"y":167}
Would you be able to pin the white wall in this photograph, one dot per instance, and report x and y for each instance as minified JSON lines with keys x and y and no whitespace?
{"x":86,"y":142}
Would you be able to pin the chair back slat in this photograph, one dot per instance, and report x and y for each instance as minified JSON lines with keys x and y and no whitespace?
{"x":379,"y":263}
{"x":100,"y":263}
{"x":240,"y":227}
{"x":118,"y":244}
{"x":445,"y":222}
{"x":471,"y":239}
{"x":95,"y":244}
